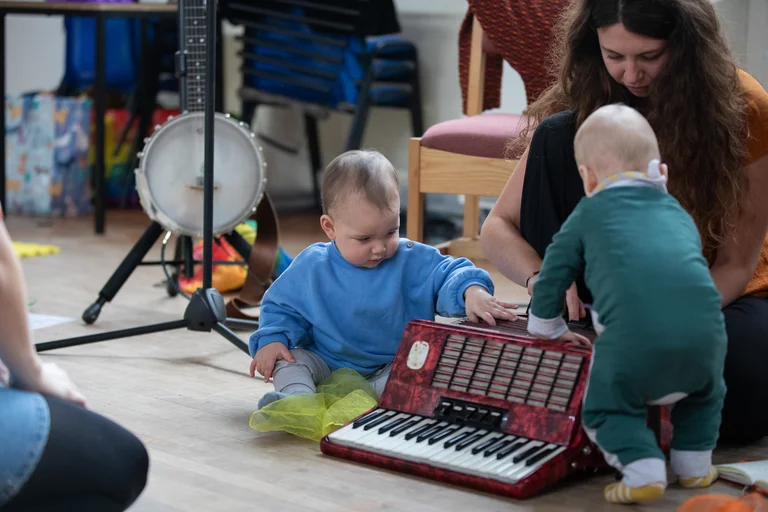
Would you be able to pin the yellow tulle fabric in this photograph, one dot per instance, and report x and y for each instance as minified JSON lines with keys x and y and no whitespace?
{"x":342,"y":397}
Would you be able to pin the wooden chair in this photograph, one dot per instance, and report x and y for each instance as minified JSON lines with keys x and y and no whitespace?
{"x":463,"y":157}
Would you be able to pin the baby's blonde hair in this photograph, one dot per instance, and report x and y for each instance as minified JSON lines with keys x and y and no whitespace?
{"x":615,"y":138}
{"x":362,"y":171}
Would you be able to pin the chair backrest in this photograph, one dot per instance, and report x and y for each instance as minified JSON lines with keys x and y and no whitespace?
{"x":477,"y":55}
{"x":308,"y":50}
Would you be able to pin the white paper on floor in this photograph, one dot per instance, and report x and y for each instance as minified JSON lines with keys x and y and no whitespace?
{"x":37,"y":321}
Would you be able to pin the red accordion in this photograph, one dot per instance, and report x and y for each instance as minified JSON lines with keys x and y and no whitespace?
{"x":485,"y":407}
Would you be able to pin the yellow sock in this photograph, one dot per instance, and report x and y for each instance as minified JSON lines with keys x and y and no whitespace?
{"x":622,"y":493}
{"x":700,"y":481}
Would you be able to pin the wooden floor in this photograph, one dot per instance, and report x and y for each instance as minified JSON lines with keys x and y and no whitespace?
{"x":188,"y":395}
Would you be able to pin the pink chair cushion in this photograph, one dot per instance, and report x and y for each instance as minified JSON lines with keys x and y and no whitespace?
{"x":484,"y":135}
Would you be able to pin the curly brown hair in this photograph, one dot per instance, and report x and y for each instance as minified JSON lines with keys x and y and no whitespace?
{"x":695,"y":105}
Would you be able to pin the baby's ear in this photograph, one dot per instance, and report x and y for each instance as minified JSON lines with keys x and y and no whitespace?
{"x":663,"y":170}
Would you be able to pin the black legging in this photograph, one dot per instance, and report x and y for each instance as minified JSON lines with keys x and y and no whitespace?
{"x":551,"y":190}
{"x":89,"y":464}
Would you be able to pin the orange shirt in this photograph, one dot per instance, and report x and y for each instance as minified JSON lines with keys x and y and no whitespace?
{"x":757,"y":147}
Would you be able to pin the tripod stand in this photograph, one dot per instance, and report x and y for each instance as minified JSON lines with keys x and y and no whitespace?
{"x":206,"y":310}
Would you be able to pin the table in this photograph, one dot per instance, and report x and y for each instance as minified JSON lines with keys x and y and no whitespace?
{"x":100,"y":12}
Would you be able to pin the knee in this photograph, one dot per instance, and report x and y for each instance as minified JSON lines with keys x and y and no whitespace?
{"x":135,"y":461}
{"x":745,"y":413}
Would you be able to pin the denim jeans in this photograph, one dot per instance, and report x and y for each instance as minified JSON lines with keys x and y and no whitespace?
{"x":24,"y":427}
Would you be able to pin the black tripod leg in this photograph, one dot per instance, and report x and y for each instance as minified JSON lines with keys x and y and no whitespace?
{"x":126,"y":267}
{"x":124,"y":333}
{"x":230,"y":336}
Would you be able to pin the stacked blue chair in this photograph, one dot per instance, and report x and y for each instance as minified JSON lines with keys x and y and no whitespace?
{"x":123,"y":45}
{"x":341,"y":55}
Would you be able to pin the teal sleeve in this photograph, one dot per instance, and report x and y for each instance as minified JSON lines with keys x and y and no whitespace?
{"x":563,"y":262}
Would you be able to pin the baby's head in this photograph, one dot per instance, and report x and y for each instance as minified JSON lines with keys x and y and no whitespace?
{"x":614,"y":139}
{"x":361,"y":207}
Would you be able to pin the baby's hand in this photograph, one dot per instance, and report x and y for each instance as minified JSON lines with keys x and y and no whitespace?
{"x":481,"y":304}
{"x":267,"y":356}
{"x":575,"y":339}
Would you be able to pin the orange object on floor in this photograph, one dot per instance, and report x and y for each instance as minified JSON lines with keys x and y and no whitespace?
{"x":752,"y":502}
{"x":225,"y":278}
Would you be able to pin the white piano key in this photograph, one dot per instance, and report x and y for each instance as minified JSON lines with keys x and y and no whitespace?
{"x":495,"y":463}
{"x":349,"y":433}
{"x":398,"y":444}
{"x":475,"y":459}
{"x":374,"y":438}
{"x":508,"y":463}
{"x":454,"y":459}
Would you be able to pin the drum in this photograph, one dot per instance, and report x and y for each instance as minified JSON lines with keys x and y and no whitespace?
{"x":169,"y":178}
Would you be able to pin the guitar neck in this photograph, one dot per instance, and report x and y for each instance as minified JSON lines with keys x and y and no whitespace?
{"x":193,"y":45}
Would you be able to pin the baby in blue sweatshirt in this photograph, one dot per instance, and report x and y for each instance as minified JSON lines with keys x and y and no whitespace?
{"x":346,"y":303}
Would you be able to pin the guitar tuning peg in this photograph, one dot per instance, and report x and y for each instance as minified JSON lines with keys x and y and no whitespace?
{"x":227,"y":116}
{"x":146,"y":140}
{"x":140,"y":154}
{"x":157,"y":127}
{"x":170,"y":118}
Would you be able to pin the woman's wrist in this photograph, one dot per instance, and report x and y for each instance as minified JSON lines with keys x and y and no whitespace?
{"x":27,"y":372}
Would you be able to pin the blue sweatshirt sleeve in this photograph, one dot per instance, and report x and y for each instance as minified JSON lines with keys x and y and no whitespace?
{"x":450,"y":277}
{"x":280,"y":318}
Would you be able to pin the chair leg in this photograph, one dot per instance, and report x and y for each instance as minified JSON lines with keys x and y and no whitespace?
{"x":356,"y":131}
{"x":313,"y":141}
{"x":415,"y":207}
{"x":471,"y":217}
{"x":417,"y":124}
{"x":247,"y":110}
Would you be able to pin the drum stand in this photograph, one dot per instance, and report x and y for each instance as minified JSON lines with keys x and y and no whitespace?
{"x":206,"y":310}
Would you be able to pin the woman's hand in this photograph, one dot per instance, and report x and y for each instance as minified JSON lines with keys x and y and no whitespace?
{"x":53,"y":381}
{"x":576,"y":310}
{"x":572,"y":338}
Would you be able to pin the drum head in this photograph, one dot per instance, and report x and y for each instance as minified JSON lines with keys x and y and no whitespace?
{"x":170,"y":176}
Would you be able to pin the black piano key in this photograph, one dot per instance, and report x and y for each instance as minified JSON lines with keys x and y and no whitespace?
{"x":527,"y":453}
{"x":392,"y":424}
{"x":399,"y":430}
{"x":368,"y":417}
{"x":511,"y":448}
{"x":378,"y":421}
{"x":431,"y":432}
{"x":455,"y":439}
{"x":543,"y":453}
{"x":497,"y":447}
{"x":420,"y":430}
{"x":442,"y":435}
{"x":469,"y":441}
{"x":482,"y":446}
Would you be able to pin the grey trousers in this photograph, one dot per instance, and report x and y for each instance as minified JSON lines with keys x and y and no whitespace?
{"x":310,"y":370}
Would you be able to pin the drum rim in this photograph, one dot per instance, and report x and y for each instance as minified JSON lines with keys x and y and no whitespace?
{"x":149,"y":204}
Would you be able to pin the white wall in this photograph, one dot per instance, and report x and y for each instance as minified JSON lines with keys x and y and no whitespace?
{"x":35,"y":49}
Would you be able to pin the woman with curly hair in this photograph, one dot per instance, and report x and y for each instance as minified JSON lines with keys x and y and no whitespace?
{"x":669,"y":60}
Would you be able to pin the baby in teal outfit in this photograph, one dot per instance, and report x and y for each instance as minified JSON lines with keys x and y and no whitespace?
{"x":656,"y":309}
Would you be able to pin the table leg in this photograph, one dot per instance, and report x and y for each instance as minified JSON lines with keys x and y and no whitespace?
{"x":99,"y":96}
{"x":2,"y":125}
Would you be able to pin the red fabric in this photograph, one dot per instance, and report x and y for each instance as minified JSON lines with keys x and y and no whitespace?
{"x":482,"y":135}
{"x":521,"y":31}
